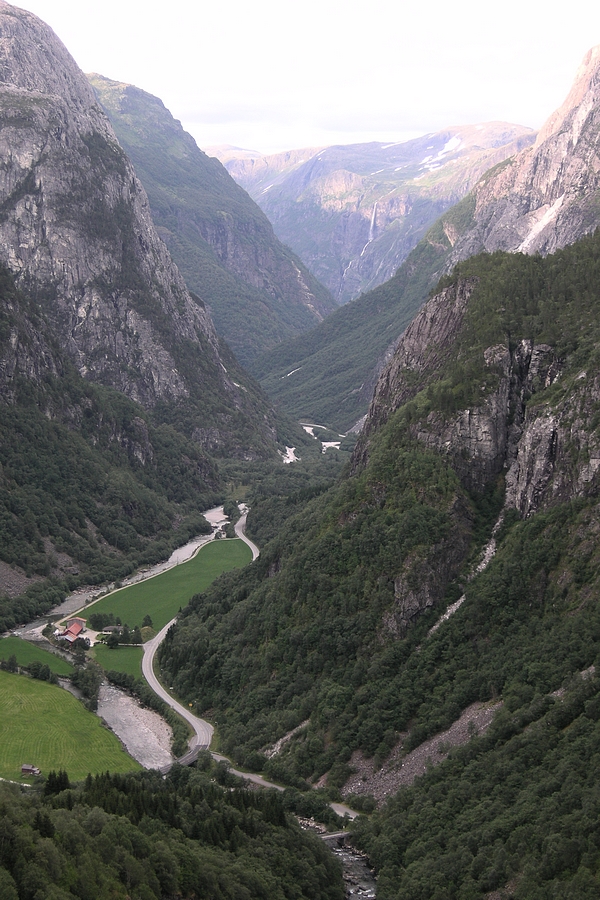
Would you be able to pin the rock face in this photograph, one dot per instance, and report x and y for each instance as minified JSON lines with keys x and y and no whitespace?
{"x":531,"y":418}
{"x":547,"y":195}
{"x":420,"y":350}
{"x":354,"y":213}
{"x":548,"y":451}
{"x":76,"y":228}
{"x":25,"y":352}
{"x":259,"y":292}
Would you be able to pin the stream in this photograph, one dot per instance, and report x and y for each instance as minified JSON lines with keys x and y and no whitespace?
{"x":359,"y":880}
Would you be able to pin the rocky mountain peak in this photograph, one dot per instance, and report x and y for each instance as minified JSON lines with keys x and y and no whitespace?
{"x":546,"y":196}
{"x":579,"y":101}
{"x":76,"y":224}
{"x":76,"y":230}
{"x":32,"y":58}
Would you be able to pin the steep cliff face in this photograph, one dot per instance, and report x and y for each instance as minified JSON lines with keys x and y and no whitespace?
{"x":76,"y":228}
{"x":259,"y":292}
{"x":354,"y":213}
{"x":547,"y":195}
{"x":25,"y":352}
{"x":498,"y":375}
{"x":546,"y":449}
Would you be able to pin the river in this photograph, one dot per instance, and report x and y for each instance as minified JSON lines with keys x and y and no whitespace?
{"x":145,"y":734}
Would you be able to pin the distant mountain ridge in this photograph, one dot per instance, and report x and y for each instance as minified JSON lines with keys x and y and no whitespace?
{"x":353,"y":213}
{"x":539,"y":200}
{"x":259,"y":291}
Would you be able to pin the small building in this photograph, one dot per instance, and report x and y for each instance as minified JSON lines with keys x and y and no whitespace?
{"x":27,"y":769}
{"x":74,"y":629}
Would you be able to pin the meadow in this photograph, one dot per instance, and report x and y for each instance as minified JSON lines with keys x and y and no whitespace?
{"x":27,"y":653}
{"x":164,"y":595}
{"x":122,"y":659}
{"x":46,"y":726}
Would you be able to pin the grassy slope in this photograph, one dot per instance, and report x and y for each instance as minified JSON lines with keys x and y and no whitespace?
{"x":164,"y":595}
{"x":47,"y":727}
{"x":27,"y":653}
{"x":337,"y":360}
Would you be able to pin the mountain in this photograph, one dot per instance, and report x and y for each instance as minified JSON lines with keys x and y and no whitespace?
{"x":541,"y":199}
{"x":116,"y":393}
{"x":453,"y":570}
{"x":258,"y":291}
{"x":353,"y":213}
{"x":90,"y":486}
{"x":76,"y":229}
{"x":546,"y":196}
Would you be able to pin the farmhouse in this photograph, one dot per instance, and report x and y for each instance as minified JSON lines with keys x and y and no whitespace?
{"x":27,"y":769}
{"x":75,"y":627}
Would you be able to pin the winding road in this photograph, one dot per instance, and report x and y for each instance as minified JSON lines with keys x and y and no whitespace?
{"x":203,"y":730}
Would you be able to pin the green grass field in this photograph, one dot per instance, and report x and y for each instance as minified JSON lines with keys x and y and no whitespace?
{"x":27,"y":653}
{"x":123,"y":659}
{"x":46,"y":726}
{"x":164,"y":595}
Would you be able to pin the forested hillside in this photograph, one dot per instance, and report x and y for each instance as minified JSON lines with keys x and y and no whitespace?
{"x":331,"y":625}
{"x":192,"y":835}
{"x":90,"y":486}
{"x":259,"y":292}
{"x":514,"y":813}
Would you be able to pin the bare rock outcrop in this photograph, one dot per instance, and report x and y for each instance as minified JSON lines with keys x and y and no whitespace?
{"x":419,"y":350}
{"x":75,"y":227}
{"x":542,"y":442}
{"x":557,"y":456}
{"x":546,"y":196}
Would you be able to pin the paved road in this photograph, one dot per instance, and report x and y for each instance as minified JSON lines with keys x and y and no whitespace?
{"x":203,"y":730}
{"x":240,"y":525}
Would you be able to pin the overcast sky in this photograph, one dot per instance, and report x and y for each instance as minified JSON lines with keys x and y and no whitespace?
{"x":270,"y":75}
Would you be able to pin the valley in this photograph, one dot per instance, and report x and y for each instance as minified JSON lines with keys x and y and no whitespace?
{"x":194,"y":575}
{"x":353,"y":213}
{"x":418,"y":638}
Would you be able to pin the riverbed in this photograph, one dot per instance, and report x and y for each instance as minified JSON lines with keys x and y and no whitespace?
{"x":144,"y":734}
{"x":359,"y":879}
